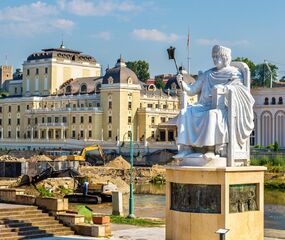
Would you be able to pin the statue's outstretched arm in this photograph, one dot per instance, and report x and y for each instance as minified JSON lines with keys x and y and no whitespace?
{"x":191,"y":89}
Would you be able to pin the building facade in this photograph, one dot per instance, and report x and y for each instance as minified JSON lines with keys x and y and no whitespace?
{"x":64,"y":97}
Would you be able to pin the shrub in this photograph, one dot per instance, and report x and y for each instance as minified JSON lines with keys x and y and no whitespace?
{"x":44,"y":192}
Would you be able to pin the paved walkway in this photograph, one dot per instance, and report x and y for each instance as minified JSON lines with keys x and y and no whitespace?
{"x":128,"y":232}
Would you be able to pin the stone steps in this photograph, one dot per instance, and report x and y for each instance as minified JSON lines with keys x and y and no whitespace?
{"x":29,"y":222}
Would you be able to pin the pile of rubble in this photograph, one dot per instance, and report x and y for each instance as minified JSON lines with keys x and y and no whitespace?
{"x":118,"y":162}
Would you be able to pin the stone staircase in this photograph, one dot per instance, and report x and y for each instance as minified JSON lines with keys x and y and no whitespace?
{"x":27,"y":222}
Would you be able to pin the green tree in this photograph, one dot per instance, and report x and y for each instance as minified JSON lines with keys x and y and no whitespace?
{"x":159,"y":83}
{"x":141,"y":69}
{"x":3,"y":93}
{"x":262,"y":74}
{"x":250,"y":64}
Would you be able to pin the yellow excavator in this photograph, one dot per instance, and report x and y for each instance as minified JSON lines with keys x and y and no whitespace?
{"x":82,"y":156}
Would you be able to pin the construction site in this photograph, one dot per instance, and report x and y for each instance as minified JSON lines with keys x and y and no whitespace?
{"x":43,"y":183}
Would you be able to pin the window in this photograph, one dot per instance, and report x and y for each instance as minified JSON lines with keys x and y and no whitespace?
{"x":43,"y":120}
{"x":110,"y":105}
{"x":110,"y":80}
{"x":73,"y":119}
{"x":18,"y":134}
{"x":98,"y":104}
{"x":152,"y":120}
{"x":280,"y":101}
{"x":36,"y":120}
{"x":81,"y":119}
{"x":90,"y":119}
{"x":0,"y":109}
{"x":49,"y":119}
{"x":109,"y":133}
{"x":18,"y":121}
{"x":129,"y":120}
{"x":64,"y":119}
{"x":15,"y":90}
{"x":28,"y":107}
{"x":36,"y":134}
{"x":266,"y":101}
{"x":162,"y":119}
{"x":46,"y":70}
{"x":83,"y":88}
{"x":149,"y":105}
{"x":9,"y":134}
{"x":56,"y":119}
{"x":9,"y":108}
{"x":73,"y":134}
{"x":37,"y":71}
{"x":110,"y":119}
{"x":273,"y":101}
{"x":28,"y":72}
{"x":9,"y":121}
{"x":129,"y":105}
{"x":19,"y":108}
{"x":164,"y":106}
{"x":156,"y":106}
{"x":0,"y":121}
{"x":68,"y":90}
{"x":81,"y":133}
{"x":152,"y":134}
{"x":90,"y":134}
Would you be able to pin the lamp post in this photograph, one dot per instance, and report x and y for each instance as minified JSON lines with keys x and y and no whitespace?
{"x":131,"y":199}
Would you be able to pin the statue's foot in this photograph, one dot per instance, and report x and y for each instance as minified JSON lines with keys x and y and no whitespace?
{"x":210,"y":156}
{"x":182,"y":154}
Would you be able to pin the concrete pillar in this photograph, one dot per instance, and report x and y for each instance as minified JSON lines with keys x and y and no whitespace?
{"x":39,"y":134}
{"x":2,"y":133}
{"x":32,"y":133}
{"x":102,"y":135}
{"x":53,"y":132}
{"x":117,"y":203}
{"x":85,"y":135}
{"x":138,"y":133}
{"x":166,"y":134}
{"x":61,"y":133}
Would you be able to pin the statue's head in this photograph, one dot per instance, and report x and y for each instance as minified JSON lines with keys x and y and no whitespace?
{"x":221,"y":56}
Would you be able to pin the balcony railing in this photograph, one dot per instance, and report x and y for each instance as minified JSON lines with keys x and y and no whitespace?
{"x":45,"y":110}
{"x":59,"y":124}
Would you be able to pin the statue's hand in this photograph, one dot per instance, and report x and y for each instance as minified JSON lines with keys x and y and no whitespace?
{"x":181,"y":83}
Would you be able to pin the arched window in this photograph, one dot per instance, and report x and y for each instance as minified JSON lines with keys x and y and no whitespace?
{"x":266,"y":101}
{"x":68,"y":89}
{"x":98,"y":87}
{"x":130,"y":81}
{"x":280,"y":101}
{"x":273,"y":102}
{"x":83,"y":88}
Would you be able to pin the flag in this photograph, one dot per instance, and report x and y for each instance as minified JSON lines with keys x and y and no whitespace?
{"x":188,"y":39}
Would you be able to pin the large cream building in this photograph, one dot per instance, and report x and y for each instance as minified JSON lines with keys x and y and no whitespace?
{"x":64,"y":101}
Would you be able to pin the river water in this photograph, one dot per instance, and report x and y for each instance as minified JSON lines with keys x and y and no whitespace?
{"x":150,"y":202}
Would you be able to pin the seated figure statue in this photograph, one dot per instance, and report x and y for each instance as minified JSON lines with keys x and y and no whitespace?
{"x":203,"y":127}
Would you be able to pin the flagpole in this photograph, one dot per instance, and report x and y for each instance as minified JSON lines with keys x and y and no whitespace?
{"x":188,"y":48}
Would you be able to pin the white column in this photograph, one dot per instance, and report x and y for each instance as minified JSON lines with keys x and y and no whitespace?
{"x":47,"y":133}
{"x":258,"y":129}
{"x":61,"y":133}
{"x":39,"y":134}
{"x":32,"y":133}
{"x":53,"y":131}
{"x":102,"y":135}
{"x":16,"y":134}
{"x":2,"y":133}
{"x":85,"y":135}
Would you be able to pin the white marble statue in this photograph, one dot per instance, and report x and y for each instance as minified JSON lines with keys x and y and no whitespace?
{"x":204,"y":126}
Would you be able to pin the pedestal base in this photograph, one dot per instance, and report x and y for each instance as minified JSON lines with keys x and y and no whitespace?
{"x":201,"y":200}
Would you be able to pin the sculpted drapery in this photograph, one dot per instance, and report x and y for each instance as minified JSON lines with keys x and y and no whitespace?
{"x":202,"y":125}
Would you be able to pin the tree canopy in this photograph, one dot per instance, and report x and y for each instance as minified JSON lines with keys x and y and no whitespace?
{"x":262,"y":74}
{"x":159,"y":83}
{"x":141,"y":69}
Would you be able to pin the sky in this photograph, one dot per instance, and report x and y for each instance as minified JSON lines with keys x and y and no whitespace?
{"x":143,"y":30}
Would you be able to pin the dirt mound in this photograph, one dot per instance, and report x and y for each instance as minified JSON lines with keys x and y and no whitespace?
{"x":119,"y":162}
{"x":8,"y":158}
{"x":61,"y":158}
{"x":38,"y":158}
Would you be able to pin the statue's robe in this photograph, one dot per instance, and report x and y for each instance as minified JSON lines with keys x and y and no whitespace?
{"x":202,"y":125}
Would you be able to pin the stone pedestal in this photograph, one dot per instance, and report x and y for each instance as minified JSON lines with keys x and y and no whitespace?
{"x":201,"y":200}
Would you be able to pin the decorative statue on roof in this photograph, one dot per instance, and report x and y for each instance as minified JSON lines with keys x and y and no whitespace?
{"x":223,"y":115}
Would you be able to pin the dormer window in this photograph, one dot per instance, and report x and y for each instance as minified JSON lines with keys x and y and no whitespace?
{"x":68,"y":90}
{"x":110,"y":80}
{"x":273,"y":102}
{"x":266,"y":101}
{"x":83,"y":88}
{"x":130,"y":81}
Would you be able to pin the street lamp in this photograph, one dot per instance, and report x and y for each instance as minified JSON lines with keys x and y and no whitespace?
{"x":222,"y":232}
{"x":131,"y":199}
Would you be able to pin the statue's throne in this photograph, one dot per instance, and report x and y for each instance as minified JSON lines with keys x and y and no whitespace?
{"x":236,"y":155}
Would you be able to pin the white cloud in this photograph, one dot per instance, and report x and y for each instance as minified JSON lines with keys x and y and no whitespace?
{"x":63,"y":24}
{"x":105,"y":35}
{"x":30,"y":19}
{"x":212,"y":42}
{"x":100,"y":8}
{"x":154,"y":35}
